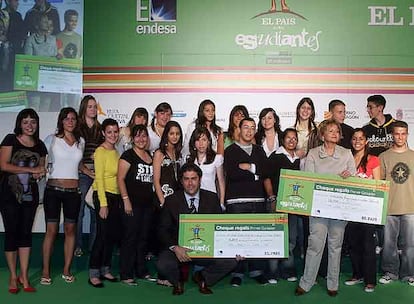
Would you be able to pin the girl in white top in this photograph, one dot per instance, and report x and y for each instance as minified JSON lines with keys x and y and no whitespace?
{"x":162,"y":114}
{"x":211,"y":164}
{"x":65,"y":151}
{"x":268,"y":131}
{"x":125,"y":142}
{"x":206,"y":117}
{"x":304,"y":125}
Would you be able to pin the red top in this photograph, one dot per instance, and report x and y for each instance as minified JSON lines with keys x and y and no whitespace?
{"x":372,"y":163}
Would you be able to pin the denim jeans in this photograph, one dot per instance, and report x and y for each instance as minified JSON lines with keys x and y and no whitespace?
{"x":85,"y":183}
{"x":319,"y":229}
{"x":399,"y":229}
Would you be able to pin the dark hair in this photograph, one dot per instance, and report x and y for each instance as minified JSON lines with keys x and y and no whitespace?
{"x":162,"y":107}
{"x":164,"y":139}
{"x":68,"y":13}
{"x":246,"y":119}
{"x":379,"y":100}
{"x":231,"y":128}
{"x":364,"y":159}
{"x":334,"y":103}
{"x":83,"y":126}
{"x":138,"y":129}
{"x":137,"y":112}
{"x":285,"y":133}
{"x":26,"y":113}
{"x":109,"y":122}
{"x":64,"y":112}
{"x":37,"y":18}
{"x":188,"y":167}
{"x":398,"y":124}
{"x":311,"y":121}
{"x":260,"y":134}
{"x":201,"y":119}
{"x":197,"y":133}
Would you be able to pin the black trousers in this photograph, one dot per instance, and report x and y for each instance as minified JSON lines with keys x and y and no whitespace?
{"x":18,"y":222}
{"x":107,"y":231}
{"x":362,"y":243}
{"x":134,"y":245}
{"x":214,"y":269}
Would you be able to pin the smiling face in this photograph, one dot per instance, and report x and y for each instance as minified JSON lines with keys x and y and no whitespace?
{"x":163,"y":117}
{"x":111,"y":134}
{"x":290,"y":141}
{"x":69,"y":122}
{"x":331,"y":134}
{"x":29,"y":126}
{"x":359,"y":141}
{"x":140,"y":120}
{"x":247,"y":131}
{"x":141,"y":140}
{"x":374,"y":110}
{"x":305,"y":111}
{"x":209,"y":112}
{"x":72,"y":22}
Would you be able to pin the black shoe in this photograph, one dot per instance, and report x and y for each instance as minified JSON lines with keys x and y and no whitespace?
{"x":261,"y":280}
{"x":202,"y":285}
{"x":112,"y":280}
{"x":235,"y":281}
{"x":178,"y":289}
{"x":99,"y":285}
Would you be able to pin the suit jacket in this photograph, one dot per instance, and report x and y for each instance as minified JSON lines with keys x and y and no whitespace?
{"x":175,"y":205}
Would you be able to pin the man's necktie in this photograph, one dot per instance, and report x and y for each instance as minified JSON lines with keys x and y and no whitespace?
{"x":192,"y":206}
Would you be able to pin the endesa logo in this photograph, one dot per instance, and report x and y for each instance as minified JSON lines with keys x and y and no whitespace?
{"x":155,"y":17}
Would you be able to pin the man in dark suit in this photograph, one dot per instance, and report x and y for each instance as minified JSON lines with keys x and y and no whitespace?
{"x":191,"y":199}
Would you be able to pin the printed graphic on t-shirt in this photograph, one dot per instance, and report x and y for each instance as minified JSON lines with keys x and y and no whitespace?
{"x":144,"y":173}
{"x":400,"y":173}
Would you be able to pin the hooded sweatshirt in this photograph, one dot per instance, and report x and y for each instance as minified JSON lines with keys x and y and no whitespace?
{"x":379,"y":137}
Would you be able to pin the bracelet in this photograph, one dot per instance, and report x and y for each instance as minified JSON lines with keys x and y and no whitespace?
{"x":271,"y":199}
{"x":125,"y":197}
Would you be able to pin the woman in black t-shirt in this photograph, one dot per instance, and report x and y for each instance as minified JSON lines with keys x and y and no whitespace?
{"x":22,"y":161}
{"x":135,"y":180}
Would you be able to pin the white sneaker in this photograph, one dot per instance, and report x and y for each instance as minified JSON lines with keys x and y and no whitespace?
{"x":385,"y":279}
{"x":369,"y":288}
{"x":292,"y":279}
{"x":411,"y":281}
{"x":272,"y":281}
{"x":378,"y":249}
{"x":353,"y":281}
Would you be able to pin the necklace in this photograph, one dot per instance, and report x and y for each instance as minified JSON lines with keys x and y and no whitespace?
{"x":157,"y":130}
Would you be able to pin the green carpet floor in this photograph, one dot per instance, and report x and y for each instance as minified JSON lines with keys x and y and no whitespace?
{"x":146,"y":292}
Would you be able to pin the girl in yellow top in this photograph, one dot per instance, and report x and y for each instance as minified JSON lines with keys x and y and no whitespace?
{"x":107,"y":201}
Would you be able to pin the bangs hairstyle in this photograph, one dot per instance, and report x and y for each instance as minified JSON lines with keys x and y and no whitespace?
{"x":60,"y":132}
{"x":236,"y":109}
{"x":311,"y":121}
{"x":137,"y":112}
{"x":201,"y":120}
{"x":26,"y":113}
{"x":162,"y":107}
{"x":138,"y":130}
{"x":109,"y":122}
{"x":83,"y":126}
{"x":323,"y":127}
{"x":261,"y":131}
{"x":196,"y":135}
{"x":164,"y":139}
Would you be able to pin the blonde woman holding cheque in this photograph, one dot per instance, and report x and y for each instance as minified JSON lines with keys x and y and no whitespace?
{"x":329,"y":158}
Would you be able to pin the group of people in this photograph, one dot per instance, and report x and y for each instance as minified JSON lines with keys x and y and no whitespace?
{"x":39,"y":33}
{"x":145,"y":174}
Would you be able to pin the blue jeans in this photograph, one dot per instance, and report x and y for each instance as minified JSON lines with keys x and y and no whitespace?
{"x":85,"y":183}
{"x":320,"y":229}
{"x":399,"y":229}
